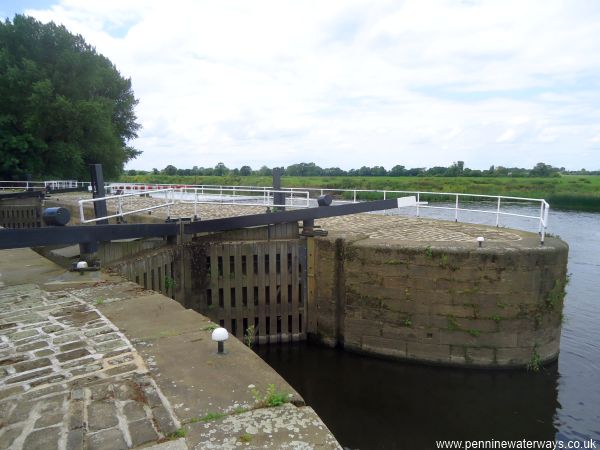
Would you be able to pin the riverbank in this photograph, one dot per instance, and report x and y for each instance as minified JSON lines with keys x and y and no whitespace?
{"x":568,"y":192}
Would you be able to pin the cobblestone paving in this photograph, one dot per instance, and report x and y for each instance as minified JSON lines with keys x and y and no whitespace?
{"x":414,"y":229}
{"x":69,"y":379}
{"x":375,"y":226}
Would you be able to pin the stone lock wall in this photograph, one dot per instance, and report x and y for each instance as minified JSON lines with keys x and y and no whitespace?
{"x":488,"y":307}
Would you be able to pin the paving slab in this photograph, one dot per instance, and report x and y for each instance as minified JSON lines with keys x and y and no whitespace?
{"x":283,"y":427}
{"x":184,"y":360}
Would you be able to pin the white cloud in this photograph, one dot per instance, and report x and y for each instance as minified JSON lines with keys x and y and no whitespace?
{"x":508,"y":136}
{"x":417,"y":83}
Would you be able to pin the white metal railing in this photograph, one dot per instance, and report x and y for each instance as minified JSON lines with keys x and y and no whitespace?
{"x":119,"y":202}
{"x":61,"y":184}
{"x":51,"y":184}
{"x":354,"y":195}
{"x":295,"y":197}
{"x":454,"y":197}
{"x":21,"y":185}
{"x":144,"y":187}
{"x":243,"y":196}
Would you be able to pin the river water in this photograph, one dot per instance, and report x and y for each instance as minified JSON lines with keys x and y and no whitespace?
{"x":370,"y":403}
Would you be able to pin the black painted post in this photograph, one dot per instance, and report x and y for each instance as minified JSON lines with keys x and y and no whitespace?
{"x":87,"y":250}
{"x":98,"y":192}
{"x":278,"y":197}
{"x":308,"y":226}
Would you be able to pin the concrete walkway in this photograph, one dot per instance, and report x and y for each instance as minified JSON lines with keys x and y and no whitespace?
{"x":95,"y":362}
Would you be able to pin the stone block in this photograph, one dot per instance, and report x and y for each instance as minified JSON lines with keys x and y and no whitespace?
{"x":29,"y":376}
{"x":362,"y":327}
{"x":411,"y":334}
{"x":48,"y":419}
{"x":52,"y":329}
{"x":455,"y":310}
{"x":122,"y":369}
{"x":8,"y":437}
{"x":77,"y":362}
{"x":75,"y":439}
{"x":31,"y":346}
{"x":72,"y":346}
{"x":44,"y":352}
{"x":549,"y":350}
{"x":384,"y":346}
{"x":98,"y":331}
{"x":22,"y":335}
{"x":101,"y":415}
{"x":164,"y":420}
{"x":43,"y":392}
{"x":480,"y":355}
{"x":111,"y":439}
{"x":42,"y":439}
{"x":74,"y":354}
{"x":21,"y":412}
{"x":86,"y":369}
{"x":54,"y":378}
{"x":65,"y":338}
{"x":428,"y":352}
{"x":106,"y":337}
{"x":30,"y":365}
{"x":134,"y":411}
{"x":142,"y":432}
{"x":76,"y":417}
{"x":110,"y":345}
{"x":513,"y":356}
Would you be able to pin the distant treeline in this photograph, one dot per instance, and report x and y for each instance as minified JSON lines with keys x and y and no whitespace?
{"x":457,"y":169}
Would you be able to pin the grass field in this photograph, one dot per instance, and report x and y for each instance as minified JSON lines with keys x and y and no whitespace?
{"x":574,"y":192}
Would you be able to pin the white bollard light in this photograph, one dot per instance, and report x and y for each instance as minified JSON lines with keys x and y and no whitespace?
{"x":220,"y":335}
{"x":480,"y":240}
{"x":82,"y":265}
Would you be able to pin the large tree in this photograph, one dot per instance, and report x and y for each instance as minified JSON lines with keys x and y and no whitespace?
{"x":62,"y":105}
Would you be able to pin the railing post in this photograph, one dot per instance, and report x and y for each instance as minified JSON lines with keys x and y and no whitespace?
{"x":456,"y":209}
{"x":418,"y":200}
{"x":498,"y":214}
{"x":81,"y":215}
{"x":172,"y":192}
{"x":354,"y":195}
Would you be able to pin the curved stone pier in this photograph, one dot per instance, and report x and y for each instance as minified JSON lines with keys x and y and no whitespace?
{"x":423,"y":290}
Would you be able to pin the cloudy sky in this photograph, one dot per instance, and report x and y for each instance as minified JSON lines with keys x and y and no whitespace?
{"x":350,"y":83}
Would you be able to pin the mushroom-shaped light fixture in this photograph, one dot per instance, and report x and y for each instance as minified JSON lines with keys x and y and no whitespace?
{"x":480,"y":240}
{"x":220,"y":335}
